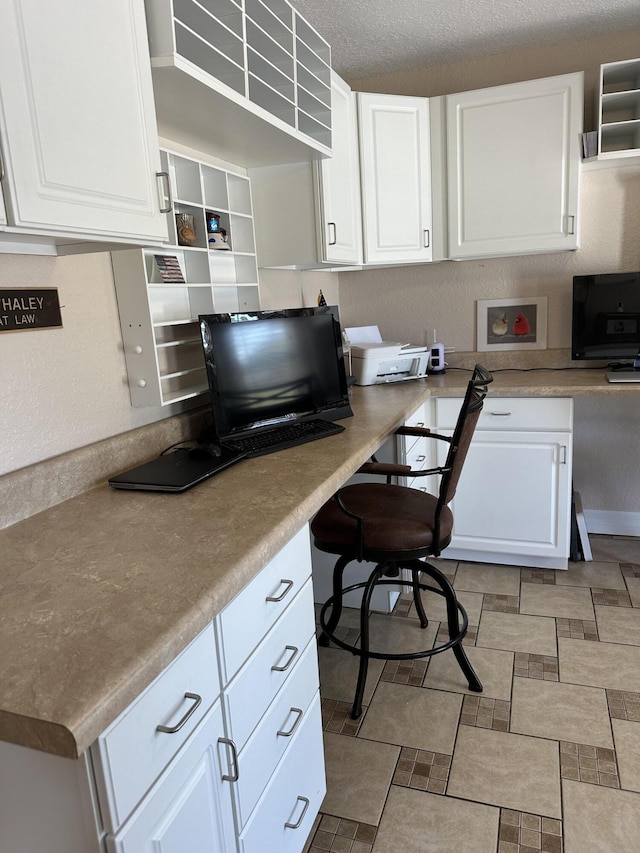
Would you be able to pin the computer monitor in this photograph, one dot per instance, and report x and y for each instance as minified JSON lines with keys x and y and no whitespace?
{"x":269,"y":368}
{"x":606,"y":318}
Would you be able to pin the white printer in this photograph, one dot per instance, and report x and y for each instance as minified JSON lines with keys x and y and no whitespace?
{"x":374,"y":361}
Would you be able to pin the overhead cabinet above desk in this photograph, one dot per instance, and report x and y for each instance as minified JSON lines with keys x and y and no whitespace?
{"x":250,"y":81}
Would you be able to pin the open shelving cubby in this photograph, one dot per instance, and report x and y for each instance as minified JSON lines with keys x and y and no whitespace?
{"x":161,"y":290}
{"x":619,"y":110}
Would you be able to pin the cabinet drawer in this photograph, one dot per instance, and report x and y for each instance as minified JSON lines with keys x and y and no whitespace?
{"x":132,"y":753}
{"x":190,"y":807}
{"x":283,"y":818}
{"x":275,"y":732}
{"x":545,"y":413}
{"x":245,"y":621}
{"x":253,"y":689}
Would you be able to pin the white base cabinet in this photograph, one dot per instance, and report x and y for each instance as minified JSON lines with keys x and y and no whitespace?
{"x":221,"y":753}
{"x":513,"y":501}
{"x":514,"y":168}
{"x":77,"y":125}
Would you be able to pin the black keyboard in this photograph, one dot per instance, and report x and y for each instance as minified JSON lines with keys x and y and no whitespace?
{"x":280,"y":438}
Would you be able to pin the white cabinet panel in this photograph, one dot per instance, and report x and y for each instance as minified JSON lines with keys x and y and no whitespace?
{"x":514,"y":168}
{"x":396,"y":184}
{"x":77,"y":121}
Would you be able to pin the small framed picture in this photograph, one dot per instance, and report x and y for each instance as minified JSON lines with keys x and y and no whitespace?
{"x":507,"y":324}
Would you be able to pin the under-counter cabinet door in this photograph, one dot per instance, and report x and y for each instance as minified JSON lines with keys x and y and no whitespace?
{"x":77,"y":121}
{"x":189,"y":809}
{"x":514,"y":168}
{"x":396,"y":179}
{"x":339,"y":179}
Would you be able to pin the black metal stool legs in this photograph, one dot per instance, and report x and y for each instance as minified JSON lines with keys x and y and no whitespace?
{"x":376,"y":574}
{"x":336,"y":600}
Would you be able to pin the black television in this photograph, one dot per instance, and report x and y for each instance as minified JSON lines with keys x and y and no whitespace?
{"x":605,"y":322}
{"x":270,"y":368}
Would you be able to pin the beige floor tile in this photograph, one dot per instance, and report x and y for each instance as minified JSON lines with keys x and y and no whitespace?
{"x":359,"y":773}
{"x":619,"y":549}
{"x":611,"y":665}
{"x":563,"y":601}
{"x":626,"y":735}
{"x":633,"y":585}
{"x":484,"y":577}
{"x":396,"y":634}
{"x":493,"y":666}
{"x":535,"y":635}
{"x":436,"y":609}
{"x":413,"y":716}
{"x":618,"y":625}
{"x":339,"y":675}
{"x":600,"y":820}
{"x":417,"y":822}
{"x":598,"y":574}
{"x":508,"y":770}
{"x":561,"y":712}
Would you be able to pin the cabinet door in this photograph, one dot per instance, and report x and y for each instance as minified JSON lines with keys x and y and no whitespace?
{"x":514,"y":168}
{"x":339,"y":178}
{"x":77,"y":122}
{"x":396,"y":182}
{"x":190,"y":806}
{"x":514,"y":499}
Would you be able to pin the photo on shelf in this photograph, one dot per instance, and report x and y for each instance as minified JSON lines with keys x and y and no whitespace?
{"x":169,"y":267}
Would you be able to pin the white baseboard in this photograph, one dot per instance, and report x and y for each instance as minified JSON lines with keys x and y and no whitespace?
{"x":612,"y":523}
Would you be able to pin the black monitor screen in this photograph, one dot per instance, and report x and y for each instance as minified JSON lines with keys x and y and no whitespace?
{"x":606,"y":316}
{"x":266,"y":368}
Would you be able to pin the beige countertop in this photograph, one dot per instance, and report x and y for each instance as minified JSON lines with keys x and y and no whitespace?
{"x":99,"y":593}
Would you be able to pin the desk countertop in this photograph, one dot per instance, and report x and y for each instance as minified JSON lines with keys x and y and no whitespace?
{"x":99,"y":593}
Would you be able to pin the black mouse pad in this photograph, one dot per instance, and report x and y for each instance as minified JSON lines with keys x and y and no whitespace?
{"x":175,"y":472}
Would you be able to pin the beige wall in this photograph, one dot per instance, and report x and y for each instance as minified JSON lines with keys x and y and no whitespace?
{"x":409,"y":302}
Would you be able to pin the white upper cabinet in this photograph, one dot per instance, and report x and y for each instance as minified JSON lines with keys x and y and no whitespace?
{"x":77,"y":122}
{"x":340,"y":216}
{"x":396,"y":178}
{"x":513,"y":168}
{"x":308,"y":214}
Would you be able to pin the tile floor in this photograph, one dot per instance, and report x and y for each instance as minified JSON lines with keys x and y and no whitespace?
{"x":547,"y":758}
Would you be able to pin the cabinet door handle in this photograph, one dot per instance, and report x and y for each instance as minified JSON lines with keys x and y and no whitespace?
{"x":164,"y":182}
{"x":171,"y":730}
{"x":294,"y":652}
{"x":332,"y":227}
{"x":571,"y":224}
{"x":427,"y":238}
{"x":297,"y":711}
{"x":234,"y":775}
{"x":500,"y":414}
{"x":563,"y":454}
{"x":295,"y":825}
{"x":288,"y":584}
{"x":2,"y":173}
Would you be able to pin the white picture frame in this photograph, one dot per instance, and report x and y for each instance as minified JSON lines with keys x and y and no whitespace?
{"x":512,"y":324}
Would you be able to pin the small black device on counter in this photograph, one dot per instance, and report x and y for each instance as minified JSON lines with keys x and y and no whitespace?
{"x":177,"y":471}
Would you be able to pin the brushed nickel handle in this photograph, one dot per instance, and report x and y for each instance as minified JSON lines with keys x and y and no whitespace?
{"x":288,"y":584}
{"x":301,"y":818}
{"x":501,"y":414}
{"x":171,"y":730}
{"x":427,"y":238}
{"x":571,"y":220}
{"x":332,"y":225}
{"x":163,"y":181}
{"x":294,"y":652}
{"x":234,"y":775}
{"x":300,"y":713}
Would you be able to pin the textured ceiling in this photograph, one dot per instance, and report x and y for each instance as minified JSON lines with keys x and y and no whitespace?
{"x":380,"y":36}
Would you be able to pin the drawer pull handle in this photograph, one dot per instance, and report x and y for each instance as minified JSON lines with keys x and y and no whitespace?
{"x":301,"y":818}
{"x":294,"y":652}
{"x":171,"y":730}
{"x":500,"y":414}
{"x":234,"y":775}
{"x":288,"y":584}
{"x":420,"y":458}
{"x":297,"y":711}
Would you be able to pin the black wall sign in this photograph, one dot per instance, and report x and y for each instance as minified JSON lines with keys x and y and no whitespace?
{"x":23,"y":310}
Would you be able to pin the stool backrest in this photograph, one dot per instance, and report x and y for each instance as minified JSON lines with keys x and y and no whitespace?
{"x":462,"y":435}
